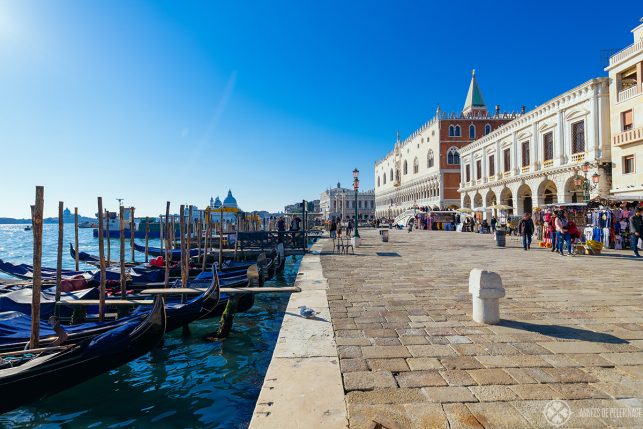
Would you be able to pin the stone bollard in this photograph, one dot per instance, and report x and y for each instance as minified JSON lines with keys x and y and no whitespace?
{"x":486,"y":290}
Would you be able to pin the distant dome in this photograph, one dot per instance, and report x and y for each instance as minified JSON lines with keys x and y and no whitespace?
{"x":217,"y":203}
{"x":230,"y":201}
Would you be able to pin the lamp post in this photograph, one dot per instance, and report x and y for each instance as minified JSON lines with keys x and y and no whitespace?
{"x":584,"y":183}
{"x":356,"y":187}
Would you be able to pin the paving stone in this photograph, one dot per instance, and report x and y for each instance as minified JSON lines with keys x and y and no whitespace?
{"x":574,"y":347}
{"x":534,"y":391}
{"x":420,"y":379}
{"x":570,"y":375}
{"x":371,"y":352}
{"x":577,"y":391}
{"x":591,"y":360}
{"x":508,"y":361}
{"x":431,"y":351}
{"x":498,"y":415}
{"x":449,"y":394}
{"x":349,"y":352}
{"x":491,"y":376}
{"x":346,"y":341}
{"x":458,"y":339}
{"x":624,"y":358}
{"x":531,"y":348}
{"x":351,"y":365}
{"x":368,"y":380}
{"x":386,"y":396}
{"x":460,"y":417}
{"x":413,"y":340}
{"x":493,"y":393}
{"x":391,"y":364}
{"x":461,"y":362}
{"x":419,"y":364}
{"x":386,"y":341}
{"x":520,"y":375}
{"x":457,"y":377}
{"x":620,"y":390}
{"x":560,"y":360}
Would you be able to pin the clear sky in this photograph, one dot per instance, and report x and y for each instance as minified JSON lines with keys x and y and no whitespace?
{"x":180,"y":100}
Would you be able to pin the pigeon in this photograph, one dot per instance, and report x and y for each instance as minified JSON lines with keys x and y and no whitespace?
{"x":307,"y":312}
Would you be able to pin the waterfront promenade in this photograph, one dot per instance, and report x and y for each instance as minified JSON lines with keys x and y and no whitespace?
{"x":411,"y":356}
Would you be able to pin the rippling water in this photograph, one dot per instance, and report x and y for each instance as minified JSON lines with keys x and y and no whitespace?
{"x":185,"y":383}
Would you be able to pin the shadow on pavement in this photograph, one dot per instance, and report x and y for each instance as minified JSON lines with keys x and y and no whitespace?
{"x":564,"y":332}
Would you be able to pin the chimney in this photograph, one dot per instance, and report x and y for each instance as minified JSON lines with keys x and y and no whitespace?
{"x":522,"y":110}
{"x":497,"y":109}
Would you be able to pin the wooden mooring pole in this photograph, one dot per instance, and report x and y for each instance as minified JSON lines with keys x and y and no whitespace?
{"x":167,"y":246}
{"x":184,"y":277}
{"x":132,"y":231}
{"x":101,"y":254}
{"x":109,"y":241}
{"x":36,"y":222}
{"x":122,"y":249}
{"x":147,"y":238}
{"x":76,"y":234}
{"x":59,"y":260}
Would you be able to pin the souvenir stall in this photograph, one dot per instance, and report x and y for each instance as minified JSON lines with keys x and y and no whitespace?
{"x":442,"y":220}
{"x":575,"y":212}
{"x":608,"y":222}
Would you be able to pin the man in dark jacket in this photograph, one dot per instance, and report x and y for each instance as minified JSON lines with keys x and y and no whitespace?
{"x":526,"y":229}
{"x":636,"y":229}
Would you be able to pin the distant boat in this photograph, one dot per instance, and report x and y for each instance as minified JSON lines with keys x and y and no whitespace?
{"x":27,"y":228}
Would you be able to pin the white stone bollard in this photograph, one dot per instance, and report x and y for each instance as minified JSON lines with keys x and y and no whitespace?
{"x":356,"y":241}
{"x":486,"y":290}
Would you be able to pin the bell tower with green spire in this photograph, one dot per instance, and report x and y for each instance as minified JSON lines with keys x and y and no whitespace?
{"x":474,"y":104}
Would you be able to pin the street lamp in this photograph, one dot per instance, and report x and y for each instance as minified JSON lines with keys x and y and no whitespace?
{"x":356,"y":187}
{"x":584,"y":183}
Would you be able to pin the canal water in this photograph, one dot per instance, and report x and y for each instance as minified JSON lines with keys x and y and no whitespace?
{"x":185,"y":383}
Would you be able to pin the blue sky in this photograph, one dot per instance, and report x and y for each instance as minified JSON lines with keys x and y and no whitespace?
{"x":179,"y":100}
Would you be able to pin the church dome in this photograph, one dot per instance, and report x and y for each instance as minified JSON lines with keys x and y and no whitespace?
{"x":230,"y":201}
{"x":217,"y":203}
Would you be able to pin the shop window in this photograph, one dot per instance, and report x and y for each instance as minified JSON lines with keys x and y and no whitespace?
{"x":492,"y":165}
{"x":429,"y":159}
{"x":479,"y":169}
{"x":507,"y":160}
{"x":472,"y":131}
{"x":578,"y":137}
{"x":487,"y":129}
{"x":548,"y":146}
{"x":628,"y":164}
{"x":525,"y":153}
{"x":626,"y":120}
{"x":453,"y":156}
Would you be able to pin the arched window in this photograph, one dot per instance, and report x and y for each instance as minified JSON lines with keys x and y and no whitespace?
{"x":472,"y":131}
{"x":451,"y":131}
{"x":384,"y":178}
{"x":453,"y":156}
{"x":406,"y":168}
{"x":487,"y":129}
{"x":378,"y":181}
{"x":458,"y":131}
{"x":429,"y":158}
{"x":416,"y":166}
{"x":391,"y":175}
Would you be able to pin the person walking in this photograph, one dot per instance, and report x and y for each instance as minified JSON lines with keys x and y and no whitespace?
{"x":494,"y":221}
{"x":333,"y":229}
{"x":636,"y":230}
{"x":552,"y":231}
{"x":526,"y":229}
{"x":562,"y":235}
{"x":349,"y":227}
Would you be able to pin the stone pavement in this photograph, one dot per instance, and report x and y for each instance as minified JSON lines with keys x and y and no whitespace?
{"x":411,"y":356}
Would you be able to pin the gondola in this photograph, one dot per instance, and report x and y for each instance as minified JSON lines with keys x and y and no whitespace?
{"x":157,"y":251}
{"x":83,"y":256}
{"x":25,"y":272}
{"x":29,"y":375}
{"x":20,"y":300}
{"x":15,"y":326}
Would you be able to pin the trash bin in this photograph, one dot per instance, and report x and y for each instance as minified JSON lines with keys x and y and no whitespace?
{"x":384,"y":235}
{"x":500,"y":237}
